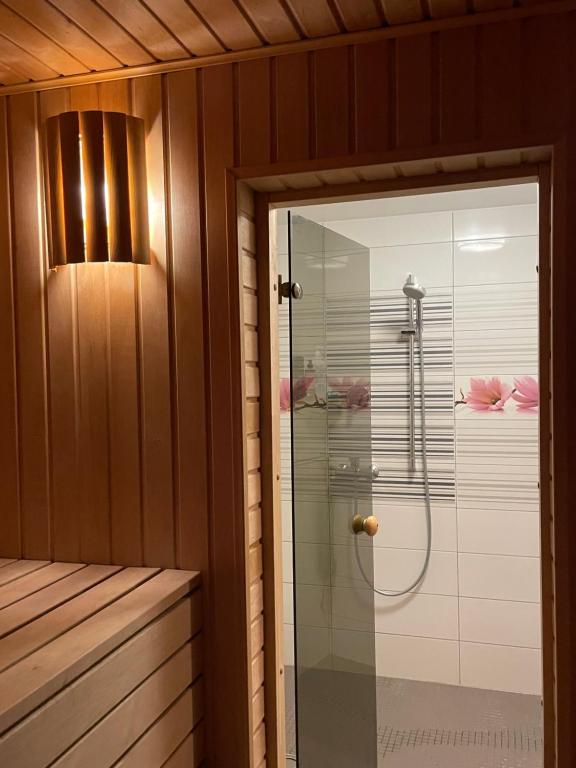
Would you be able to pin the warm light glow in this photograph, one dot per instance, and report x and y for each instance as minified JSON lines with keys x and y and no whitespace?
{"x":96,"y":188}
{"x":481,"y":246}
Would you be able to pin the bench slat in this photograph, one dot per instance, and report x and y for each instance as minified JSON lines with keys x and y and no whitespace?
{"x":36,"y":605}
{"x":20,"y":568}
{"x":190,"y":753}
{"x":111,"y":737}
{"x":30,"y":638}
{"x":42,"y":674}
{"x":35,"y":581}
{"x":160,"y":741}
{"x":43,"y":736}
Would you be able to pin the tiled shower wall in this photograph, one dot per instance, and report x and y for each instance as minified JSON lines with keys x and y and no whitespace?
{"x":475,"y":620}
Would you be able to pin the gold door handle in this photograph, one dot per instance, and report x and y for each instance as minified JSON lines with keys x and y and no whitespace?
{"x":367,"y":525}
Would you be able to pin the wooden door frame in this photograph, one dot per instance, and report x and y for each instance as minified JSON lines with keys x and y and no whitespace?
{"x":550,"y":172}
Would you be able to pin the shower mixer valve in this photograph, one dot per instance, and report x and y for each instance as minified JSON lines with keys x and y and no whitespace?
{"x":352,"y":468}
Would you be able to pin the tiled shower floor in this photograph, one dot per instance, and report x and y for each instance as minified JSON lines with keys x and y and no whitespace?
{"x":430,"y":725}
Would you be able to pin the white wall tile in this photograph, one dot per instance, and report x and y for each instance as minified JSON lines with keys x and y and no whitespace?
{"x":501,"y":622}
{"x":314,"y":646}
{"x":397,"y":230}
{"x":404,"y":526}
{"x":422,"y":615}
{"x":499,"y":577}
{"x":501,"y":668}
{"x":288,"y":602}
{"x":395,"y":569}
{"x":514,"y":262}
{"x":352,"y":648}
{"x":498,"y":532}
{"x":313,"y":564}
{"x":431,"y":263}
{"x":417,"y":658}
{"x":289,"y":645}
{"x":287,"y":564}
{"x":504,"y":221}
{"x":313,"y":606}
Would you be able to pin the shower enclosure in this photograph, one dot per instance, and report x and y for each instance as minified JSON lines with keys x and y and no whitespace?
{"x":335,"y":674}
{"x":413,"y":593}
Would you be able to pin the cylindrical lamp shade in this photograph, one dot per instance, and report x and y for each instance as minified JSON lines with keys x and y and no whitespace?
{"x":97,"y":202}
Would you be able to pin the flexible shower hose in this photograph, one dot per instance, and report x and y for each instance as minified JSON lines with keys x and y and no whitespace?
{"x":424,"y":569}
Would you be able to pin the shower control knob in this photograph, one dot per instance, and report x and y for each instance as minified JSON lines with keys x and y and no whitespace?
{"x":367,"y":525}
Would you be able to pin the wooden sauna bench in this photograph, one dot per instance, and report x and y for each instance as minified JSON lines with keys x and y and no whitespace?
{"x":99,"y":666}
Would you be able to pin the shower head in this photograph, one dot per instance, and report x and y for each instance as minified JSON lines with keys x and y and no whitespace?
{"x":413,"y":289}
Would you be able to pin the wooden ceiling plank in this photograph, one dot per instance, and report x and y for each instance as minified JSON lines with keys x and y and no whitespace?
{"x":228,"y":23}
{"x":442,"y":9}
{"x":186,"y":26}
{"x":145,"y":27}
{"x":359,"y":14}
{"x":64,"y":32}
{"x":100,"y":26}
{"x":22,"y":33}
{"x":316,"y":19}
{"x":9,"y":77}
{"x":402,"y":11}
{"x":492,"y":5}
{"x":23,"y":63}
{"x":271,"y":20}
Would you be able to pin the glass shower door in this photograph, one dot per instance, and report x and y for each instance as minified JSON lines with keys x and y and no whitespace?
{"x":335,"y":674}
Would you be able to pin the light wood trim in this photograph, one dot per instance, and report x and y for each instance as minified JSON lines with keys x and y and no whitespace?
{"x":49,"y":730}
{"x":252,"y":414}
{"x":41,"y":675}
{"x":271,"y":518}
{"x":301,"y":46}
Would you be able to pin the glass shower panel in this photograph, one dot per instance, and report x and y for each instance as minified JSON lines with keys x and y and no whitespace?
{"x":331,"y":484}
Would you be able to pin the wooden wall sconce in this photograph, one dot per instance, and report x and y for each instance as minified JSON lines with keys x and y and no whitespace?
{"x":96,"y":194}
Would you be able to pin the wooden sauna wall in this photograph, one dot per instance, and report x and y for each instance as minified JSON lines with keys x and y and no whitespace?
{"x":121,"y":387}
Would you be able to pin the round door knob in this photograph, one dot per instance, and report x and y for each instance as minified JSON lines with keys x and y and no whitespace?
{"x":297,"y":291}
{"x":367,"y":525}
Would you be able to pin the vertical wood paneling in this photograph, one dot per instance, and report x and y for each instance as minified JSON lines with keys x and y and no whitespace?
{"x":224,"y":382}
{"x":64,"y":386}
{"x":292,"y":91}
{"x":254,"y":112}
{"x":457,"y":84}
{"x":158,"y":499}
{"x":188,"y":354}
{"x":373,"y":108}
{"x":547,"y":95}
{"x":331,"y":90}
{"x":95,"y":533}
{"x":414,"y":90}
{"x":123,"y":386}
{"x":10,"y":506}
{"x":30,"y":286}
{"x":501,"y":78}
